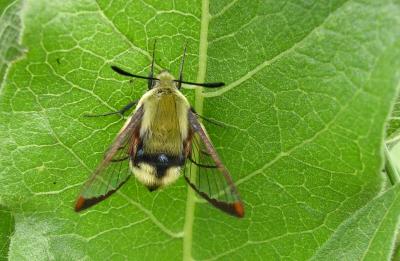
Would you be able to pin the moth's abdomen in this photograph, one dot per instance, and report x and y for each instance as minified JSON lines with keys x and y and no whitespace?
{"x":155,"y":170}
{"x":160,"y":161}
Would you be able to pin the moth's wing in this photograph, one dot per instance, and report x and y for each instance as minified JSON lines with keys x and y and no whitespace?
{"x":206,"y":174}
{"x":113,"y":171}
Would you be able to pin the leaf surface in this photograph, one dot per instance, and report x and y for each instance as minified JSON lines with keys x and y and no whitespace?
{"x":6,"y":230}
{"x":369,"y":234}
{"x":10,"y":29}
{"x":309,"y":88}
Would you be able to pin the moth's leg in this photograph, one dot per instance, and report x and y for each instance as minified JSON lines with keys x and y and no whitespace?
{"x":212,"y":121}
{"x":120,"y":112}
{"x":201,"y":165}
{"x":120,"y":159}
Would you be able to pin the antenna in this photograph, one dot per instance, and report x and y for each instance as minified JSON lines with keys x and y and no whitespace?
{"x":150,"y":83}
{"x":205,"y":84}
{"x":181,"y":68}
{"x":125,"y":73}
{"x":151,"y":78}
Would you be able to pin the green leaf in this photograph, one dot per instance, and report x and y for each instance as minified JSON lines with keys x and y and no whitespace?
{"x":369,"y":234}
{"x":10,"y":29}
{"x":309,"y":88}
{"x":6,"y":230}
{"x":394,"y":121}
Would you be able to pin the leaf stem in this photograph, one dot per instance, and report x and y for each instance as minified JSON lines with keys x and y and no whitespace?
{"x":390,"y":168}
{"x":199,"y":98}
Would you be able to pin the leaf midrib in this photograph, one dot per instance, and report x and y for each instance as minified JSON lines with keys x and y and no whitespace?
{"x":199,"y":97}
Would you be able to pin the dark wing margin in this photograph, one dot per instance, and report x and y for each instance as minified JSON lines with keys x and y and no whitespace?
{"x":206,"y":174}
{"x":113,"y":171}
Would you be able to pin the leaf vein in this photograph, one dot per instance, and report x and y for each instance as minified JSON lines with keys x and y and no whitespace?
{"x":261,"y":66}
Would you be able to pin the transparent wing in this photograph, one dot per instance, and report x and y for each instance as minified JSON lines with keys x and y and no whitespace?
{"x":114,"y":170}
{"x":206,"y":174}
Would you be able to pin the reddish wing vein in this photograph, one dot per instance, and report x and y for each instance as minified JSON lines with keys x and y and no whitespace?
{"x":113,"y":171}
{"x":212,"y":180}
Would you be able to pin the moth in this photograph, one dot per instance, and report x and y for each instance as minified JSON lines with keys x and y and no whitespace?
{"x":162,"y":139}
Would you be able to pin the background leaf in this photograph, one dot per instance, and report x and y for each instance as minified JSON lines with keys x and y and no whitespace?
{"x":6,"y":230}
{"x":10,"y":29}
{"x":369,"y":235}
{"x":309,"y":88}
{"x":394,"y":120}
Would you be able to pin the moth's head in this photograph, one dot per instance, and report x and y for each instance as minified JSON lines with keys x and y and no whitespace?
{"x":165,"y":80}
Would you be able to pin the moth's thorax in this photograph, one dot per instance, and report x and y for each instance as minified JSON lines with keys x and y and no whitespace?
{"x":165,"y":123}
{"x":166,"y":81}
